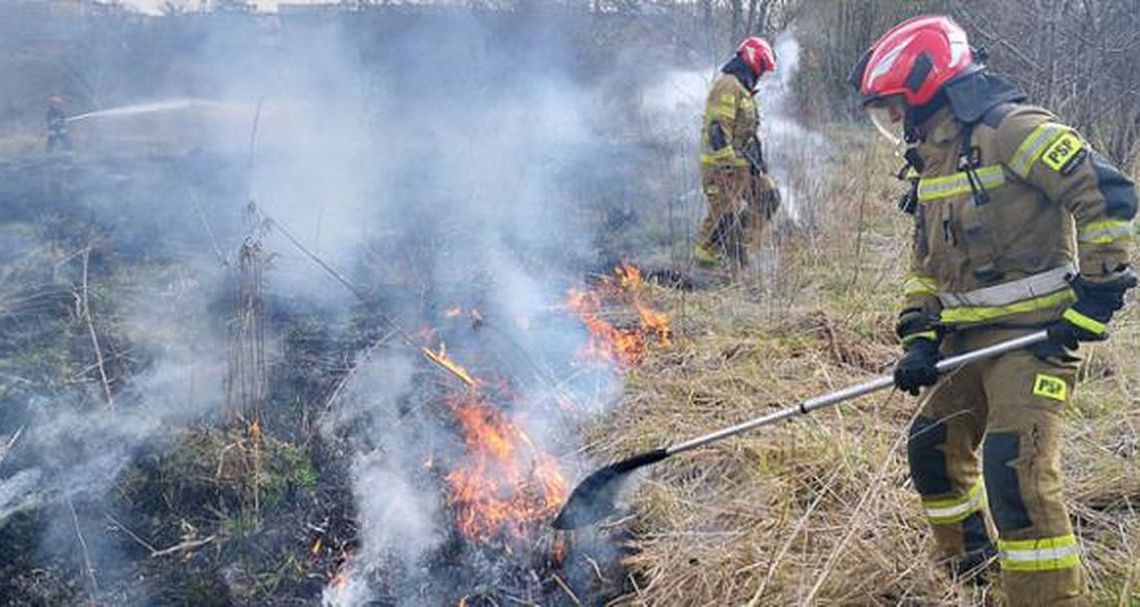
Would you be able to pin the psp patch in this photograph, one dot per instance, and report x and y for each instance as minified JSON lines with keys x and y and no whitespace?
{"x":1065,"y":153}
{"x":1050,"y":387}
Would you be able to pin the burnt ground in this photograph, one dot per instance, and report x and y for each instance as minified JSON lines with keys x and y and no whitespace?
{"x":221,"y":512}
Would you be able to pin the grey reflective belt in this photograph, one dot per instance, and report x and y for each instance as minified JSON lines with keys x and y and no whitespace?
{"x":1037,"y":285}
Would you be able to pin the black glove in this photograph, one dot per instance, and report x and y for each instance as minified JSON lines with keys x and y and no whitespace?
{"x":920,"y":336}
{"x":1096,"y":303}
{"x":767,"y":195}
{"x":917,"y":367}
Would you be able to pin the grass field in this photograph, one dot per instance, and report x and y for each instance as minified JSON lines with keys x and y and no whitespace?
{"x":821,"y":510}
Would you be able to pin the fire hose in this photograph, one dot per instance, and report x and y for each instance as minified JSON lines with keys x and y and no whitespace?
{"x":593,"y":498}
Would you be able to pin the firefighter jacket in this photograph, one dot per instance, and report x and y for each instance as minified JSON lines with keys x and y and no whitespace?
{"x":1008,"y":209}
{"x":56,"y":121}
{"x":730,"y":123}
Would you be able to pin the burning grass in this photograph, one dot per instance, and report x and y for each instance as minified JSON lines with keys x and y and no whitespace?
{"x":820,"y":510}
{"x":506,"y":484}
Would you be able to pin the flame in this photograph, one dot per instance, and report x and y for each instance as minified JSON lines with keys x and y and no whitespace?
{"x":505,"y":485}
{"x":558,"y":550}
{"x":443,"y":360}
{"x":457,"y":310}
{"x":656,"y":322}
{"x":625,"y":347}
{"x":340,"y":578}
{"x":607,"y":342}
{"x":629,"y":276}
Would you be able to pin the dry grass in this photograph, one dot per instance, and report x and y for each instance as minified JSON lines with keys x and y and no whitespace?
{"x":820,"y":510}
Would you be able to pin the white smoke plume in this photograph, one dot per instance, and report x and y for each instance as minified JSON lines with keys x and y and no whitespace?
{"x":426,"y":174}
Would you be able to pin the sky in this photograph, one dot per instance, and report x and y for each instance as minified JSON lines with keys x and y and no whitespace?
{"x":154,"y":6}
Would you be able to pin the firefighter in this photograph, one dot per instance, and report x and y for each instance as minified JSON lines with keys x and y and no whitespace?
{"x":1020,"y":224}
{"x":734,"y":175}
{"x":57,"y":126}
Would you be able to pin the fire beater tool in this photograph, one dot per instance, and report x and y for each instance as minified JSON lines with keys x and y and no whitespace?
{"x":593,"y":498}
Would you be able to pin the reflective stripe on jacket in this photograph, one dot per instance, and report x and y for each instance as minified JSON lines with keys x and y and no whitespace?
{"x":731,"y":118}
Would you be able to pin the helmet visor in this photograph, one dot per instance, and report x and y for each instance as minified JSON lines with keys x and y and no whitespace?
{"x":887,"y":115}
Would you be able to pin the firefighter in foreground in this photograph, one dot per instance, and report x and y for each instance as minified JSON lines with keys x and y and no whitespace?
{"x":742,"y":196}
{"x":1020,"y":224}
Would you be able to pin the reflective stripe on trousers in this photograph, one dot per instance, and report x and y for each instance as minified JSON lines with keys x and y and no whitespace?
{"x":1045,"y":554}
{"x":955,"y":509}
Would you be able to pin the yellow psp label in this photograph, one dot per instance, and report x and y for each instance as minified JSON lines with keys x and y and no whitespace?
{"x":1058,"y":155}
{"x":1050,"y":387}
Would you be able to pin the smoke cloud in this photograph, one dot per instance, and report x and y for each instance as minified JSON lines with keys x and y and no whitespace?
{"x":456,"y":159}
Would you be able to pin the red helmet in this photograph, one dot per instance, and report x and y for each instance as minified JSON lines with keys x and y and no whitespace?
{"x":915,"y":59}
{"x":758,"y":55}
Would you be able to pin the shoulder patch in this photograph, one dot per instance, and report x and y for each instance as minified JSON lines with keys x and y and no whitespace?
{"x":1064,"y":153}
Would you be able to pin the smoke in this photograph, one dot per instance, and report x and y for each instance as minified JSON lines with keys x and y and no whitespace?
{"x":432,"y":162}
{"x":73,"y":444}
{"x":431,"y":174}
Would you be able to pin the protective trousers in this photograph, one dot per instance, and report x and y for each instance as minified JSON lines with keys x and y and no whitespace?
{"x":733,"y":223}
{"x":1012,"y":408}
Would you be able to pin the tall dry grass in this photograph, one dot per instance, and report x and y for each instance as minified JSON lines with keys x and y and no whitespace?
{"x":820,"y":511}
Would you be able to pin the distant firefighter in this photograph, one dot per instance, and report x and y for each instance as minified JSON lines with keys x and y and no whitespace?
{"x":57,"y":137}
{"x":741,"y":194}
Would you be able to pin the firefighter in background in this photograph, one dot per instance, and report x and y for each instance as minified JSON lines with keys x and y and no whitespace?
{"x":741,"y":194}
{"x":1019,"y":225}
{"x":57,"y":137}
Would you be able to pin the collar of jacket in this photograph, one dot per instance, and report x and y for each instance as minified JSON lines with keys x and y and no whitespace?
{"x":737,"y":67}
{"x":976,"y":92}
{"x":940,"y":128}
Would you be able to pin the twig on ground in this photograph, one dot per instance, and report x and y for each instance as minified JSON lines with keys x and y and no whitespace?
{"x":131,"y":534}
{"x":11,"y":443}
{"x":355,"y":368}
{"x":86,"y":310}
{"x":566,"y":589}
{"x":183,"y":547}
{"x":88,"y":569}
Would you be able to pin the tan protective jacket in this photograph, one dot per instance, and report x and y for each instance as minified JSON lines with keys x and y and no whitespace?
{"x":731,"y":119}
{"x":995,"y":243}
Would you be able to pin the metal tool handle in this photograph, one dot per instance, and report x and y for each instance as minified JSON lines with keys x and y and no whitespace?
{"x":867,"y":387}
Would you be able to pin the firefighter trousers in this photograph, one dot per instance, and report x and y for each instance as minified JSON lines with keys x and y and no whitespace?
{"x":1010,"y":407}
{"x":732,"y":224}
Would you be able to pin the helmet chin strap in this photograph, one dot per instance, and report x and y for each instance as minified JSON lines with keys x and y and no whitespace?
{"x":917,"y":116}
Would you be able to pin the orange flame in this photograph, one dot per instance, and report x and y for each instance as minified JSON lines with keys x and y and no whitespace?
{"x":457,"y":310}
{"x":627,"y":347}
{"x":656,"y":322}
{"x":629,"y":276}
{"x":506,"y":484}
{"x":558,"y":550}
{"x":443,"y":360}
{"x":607,"y":342}
{"x":340,"y":579}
